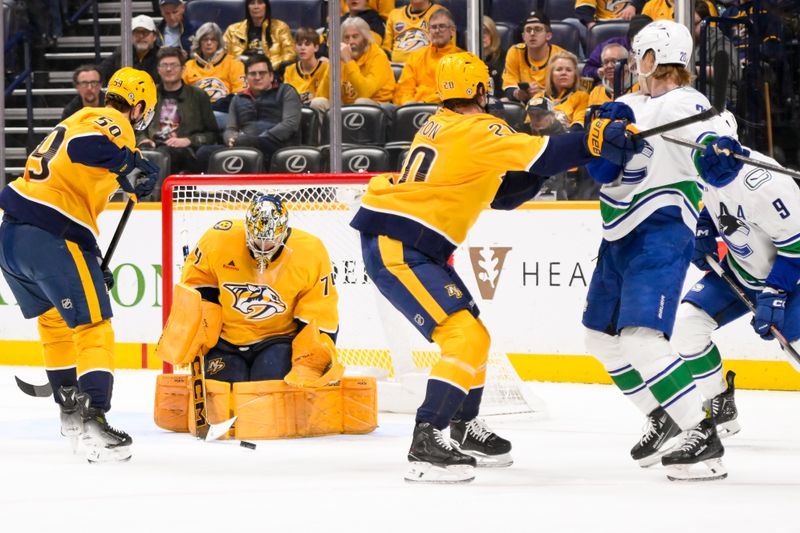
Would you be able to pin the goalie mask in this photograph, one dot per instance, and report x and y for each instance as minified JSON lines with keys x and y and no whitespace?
{"x":266,"y":228}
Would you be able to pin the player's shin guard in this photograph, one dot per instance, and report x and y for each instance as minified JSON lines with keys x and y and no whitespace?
{"x":59,"y":351}
{"x":692,"y":340}
{"x":95,"y":346}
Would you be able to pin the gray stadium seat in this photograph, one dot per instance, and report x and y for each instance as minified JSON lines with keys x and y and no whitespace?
{"x":566,"y":36}
{"x":511,"y":11}
{"x":365,"y":159}
{"x":514,"y":114}
{"x":223,"y":12}
{"x":602,"y":31}
{"x":296,"y":160}
{"x":408,"y":119}
{"x":162,"y":160}
{"x":310,"y":134}
{"x":240,"y":160}
{"x":508,"y":34}
{"x":559,"y":9}
{"x":361,"y":124}
{"x":297,"y":13}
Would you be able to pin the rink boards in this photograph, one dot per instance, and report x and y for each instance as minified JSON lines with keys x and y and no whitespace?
{"x":528,"y":270}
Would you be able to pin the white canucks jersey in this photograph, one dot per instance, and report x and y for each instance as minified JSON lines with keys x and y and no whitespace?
{"x":663,"y":174}
{"x":758,"y":217}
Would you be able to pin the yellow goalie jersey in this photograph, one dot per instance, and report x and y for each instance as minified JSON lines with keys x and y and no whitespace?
{"x":297,"y":285}
{"x":453,"y":170}
{"x":68,"y":178}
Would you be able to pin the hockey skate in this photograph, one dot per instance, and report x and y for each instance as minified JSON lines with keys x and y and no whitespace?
{"x":71,"y":421}
{"x":659,"y":437}
{"x":103,"y":443}
{"x":698,"y":457}
{"x":723,"y":409}
{"x":435,"y":459}
{"x":476,"y":439}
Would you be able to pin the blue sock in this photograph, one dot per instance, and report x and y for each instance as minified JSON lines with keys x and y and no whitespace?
{"x":442,"y":401}
{"x":471,"y":405}
{"x":98,"y":384}
{"x":63,"y":377}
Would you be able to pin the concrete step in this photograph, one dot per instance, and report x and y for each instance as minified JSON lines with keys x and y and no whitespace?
{"x":70,"y":56}
{"x":87,"y":41}
{"x":39,"y":113}
{"x":47,"y":92}
{"x":137,"y":8}
{"x":24,"y":130}
{"x":16,"y":153}
{"x":115,"y":21}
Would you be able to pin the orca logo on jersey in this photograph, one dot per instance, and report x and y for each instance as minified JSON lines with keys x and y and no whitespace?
{"x":487,"y":265}
{"x":297,"y":163}
{"x":354,"y":121}
{"x":233,"y":164}
{"x":255,"y":302}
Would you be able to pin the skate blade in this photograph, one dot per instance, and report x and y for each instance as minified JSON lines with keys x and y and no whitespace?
{"x":710,"y":470}
{"x":95,"y":454}
{"x":490,"y":461}
{"x":419,"y":472}
{"x":728,"y":429}
{"x":650,"y":460}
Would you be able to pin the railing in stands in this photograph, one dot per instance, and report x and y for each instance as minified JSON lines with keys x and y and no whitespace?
{"x":73,"y":19}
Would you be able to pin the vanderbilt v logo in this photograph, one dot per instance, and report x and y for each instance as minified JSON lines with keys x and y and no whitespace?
{"x":487,"y":265}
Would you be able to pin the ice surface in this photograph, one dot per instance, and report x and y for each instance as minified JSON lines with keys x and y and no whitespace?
{"x":572,"y":472}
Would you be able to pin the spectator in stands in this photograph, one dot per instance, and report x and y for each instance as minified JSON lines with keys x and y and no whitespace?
{"x":407,"y":29}
{"x":417,"y":83}
{"x":593,"y":65}
{"x":213,"y":70}
{"x":260,"y":33}
{"x":715,"y":42}
{"x":173,"y":30}
{"x":145,"y":49}
{"x":563,"y":89}
{"x":493,"y":55}
{"x":367,"y":76}
{"x":665,"y":9}
{"x":87,"y":82}
{"x":361,"y":9}
{"x":183,"y":118}
{"x":265,"y":116}
{"x":604,"y":92}
{"x":589,"y":12}
{"x":383,"y":7}
{"x":308,"y":72}
{"x":526,"y":63}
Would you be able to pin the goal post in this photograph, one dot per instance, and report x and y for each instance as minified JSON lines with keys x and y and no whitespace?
{"x":373,"y":337}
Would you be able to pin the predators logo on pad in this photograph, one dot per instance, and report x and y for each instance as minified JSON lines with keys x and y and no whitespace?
{"x":255,"y":302}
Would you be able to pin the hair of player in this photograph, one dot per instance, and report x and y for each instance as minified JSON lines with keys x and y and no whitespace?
{"x":493,"y":49}
{"x":677,"y":73}
{"x":549,"y":86}
{"x":256,"y":59}
{"x":171,"y":51}
{"x":443,"y":12}
{"x":118,"y":103}
{"x":202,"y":32}
{"x":86,"y":68}
{"x":307,"y":35}
{"x":358,"y":24}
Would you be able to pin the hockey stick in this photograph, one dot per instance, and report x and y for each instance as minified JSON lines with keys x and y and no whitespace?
{"x":720,"y":88}
{"x":199,"y":397}
{"x":749,"y":160}
{"x":746,"y":301}
{"x":43,"y":391}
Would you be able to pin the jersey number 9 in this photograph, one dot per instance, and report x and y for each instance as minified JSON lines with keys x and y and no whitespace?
{"x":38,"y":166}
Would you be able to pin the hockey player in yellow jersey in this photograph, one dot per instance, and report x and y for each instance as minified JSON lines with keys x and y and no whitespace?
{"x":67,"y":182}
{"x":461,"y":161}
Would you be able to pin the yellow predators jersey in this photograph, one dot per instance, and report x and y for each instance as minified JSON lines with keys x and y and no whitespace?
{"x":219,"y":77}
{"x":383,"y":7}
{"x":298,"y":285}
{"x":407,"y":31}
{"x":417,"y":82}
{"x":604,"y":9}
{"x":519,"y":67}
{"x":68,"y":178}
{"x":307,"y":84}
{"x":369,"y":76}
{"x":665,"y":9}
{"x":452,"y":172}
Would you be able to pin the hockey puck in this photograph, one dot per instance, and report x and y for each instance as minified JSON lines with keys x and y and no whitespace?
{"x":248,"y":445}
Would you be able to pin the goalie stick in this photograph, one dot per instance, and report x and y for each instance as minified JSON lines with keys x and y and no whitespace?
{"x":43,"y":391}
{"x":715,"y":266}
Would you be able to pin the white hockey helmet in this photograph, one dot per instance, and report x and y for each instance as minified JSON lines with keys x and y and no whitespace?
{"x":670,"y":42}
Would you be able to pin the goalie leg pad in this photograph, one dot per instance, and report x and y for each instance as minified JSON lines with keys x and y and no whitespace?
{"x":171,"y":411}
{"x":359,"y":404}
{"x":268,"y":410}
{"x":218,"y":401}
{"x":323,"y":411}
{"x":193,"y":327}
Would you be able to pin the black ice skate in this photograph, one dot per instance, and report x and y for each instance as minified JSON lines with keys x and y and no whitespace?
{"x":476,"y":439}
{"x":659,"y":437}
{"x":434,"y":458}
{"x":103,"y":443}
{"x":698,"y":457}
{"x":723,"y":409}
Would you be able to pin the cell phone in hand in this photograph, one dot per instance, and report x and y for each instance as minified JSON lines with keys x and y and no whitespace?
{"x":523,"y":86}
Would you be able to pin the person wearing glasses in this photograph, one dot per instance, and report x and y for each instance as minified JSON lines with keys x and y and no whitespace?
{"x":184,"y":120}
{"x":145,"y":49}
{"x":527,"y":62}
{"x":87,"y":82}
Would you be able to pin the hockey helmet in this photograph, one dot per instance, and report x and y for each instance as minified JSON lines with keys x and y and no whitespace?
{"x":458,"y":76}
{"x":670,"y":42}
{"x":135,"y":86}
{"x":266,"y":227}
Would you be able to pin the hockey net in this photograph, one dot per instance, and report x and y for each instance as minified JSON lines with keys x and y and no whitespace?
{"x":373,"y":337}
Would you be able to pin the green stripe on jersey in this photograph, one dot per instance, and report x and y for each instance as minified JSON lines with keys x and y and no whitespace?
{"x":671,"y":384}
{"x":749,"y":278}
{"x":790,"y":250}
{"x":688,"y":189}
{"x":705,"y":362}
{"x":627,"y":381}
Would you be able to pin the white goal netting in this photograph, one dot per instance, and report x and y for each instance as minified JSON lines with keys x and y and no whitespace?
{"x":373,"y":337}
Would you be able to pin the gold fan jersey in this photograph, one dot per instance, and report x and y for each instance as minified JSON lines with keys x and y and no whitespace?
{"x":383,"y":7}
{"x":369,"y":76}
{"x":407,"y":31}
{"x":417,"y":82}
{"x":297,"y":285}
{"x":68,"y":179}
{"x":218,"y":77}
{"x":603,"y":9}
{"x":665,"y":9}
{"x":453,"y":170}
{"x":307,"y":84}
{"x":519,"y":67}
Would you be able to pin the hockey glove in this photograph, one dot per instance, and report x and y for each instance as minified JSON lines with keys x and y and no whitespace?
{"x":613,"y":140}
{"x":616,"y":111}
{"x":108,"y":277}
{"x":717,"y":165}
{"x":137,"y":175}
{"x":603,"y":171}
{"x":770,"y":308}
{"x":705,"y":242}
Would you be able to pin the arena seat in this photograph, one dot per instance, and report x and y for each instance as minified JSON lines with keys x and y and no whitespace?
{"x":239,"y":160}
{"x":310,"y":123}
{"x":163,"y":161}
{"x":508,"y":34}
{"x":361,"y":124}
{"x":223,"y":12}
{"x":397,"y":69}
{"x":408,"y":119}
{"x":297,"y":13}
{"x":296,"y":160}
{"x":559,"y":9}
{"x":511,"y":11}
{"x":365,"y":159}
{"x":603,"y":31}
{"x":515,"y":114}
{"x":566,"y":36}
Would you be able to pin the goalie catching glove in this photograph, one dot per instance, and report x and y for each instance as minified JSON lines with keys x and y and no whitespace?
{"x":314,"y":361}
{"x":193,"y":327}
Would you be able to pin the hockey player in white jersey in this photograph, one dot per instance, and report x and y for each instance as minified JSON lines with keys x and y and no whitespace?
{"x":756,"y":212}
{"x":649,"y":209}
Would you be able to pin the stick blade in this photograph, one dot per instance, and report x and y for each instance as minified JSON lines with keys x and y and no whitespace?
{"x":721,"y":73}
{"x":37,"y":391}
{"x":216,"y":431}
